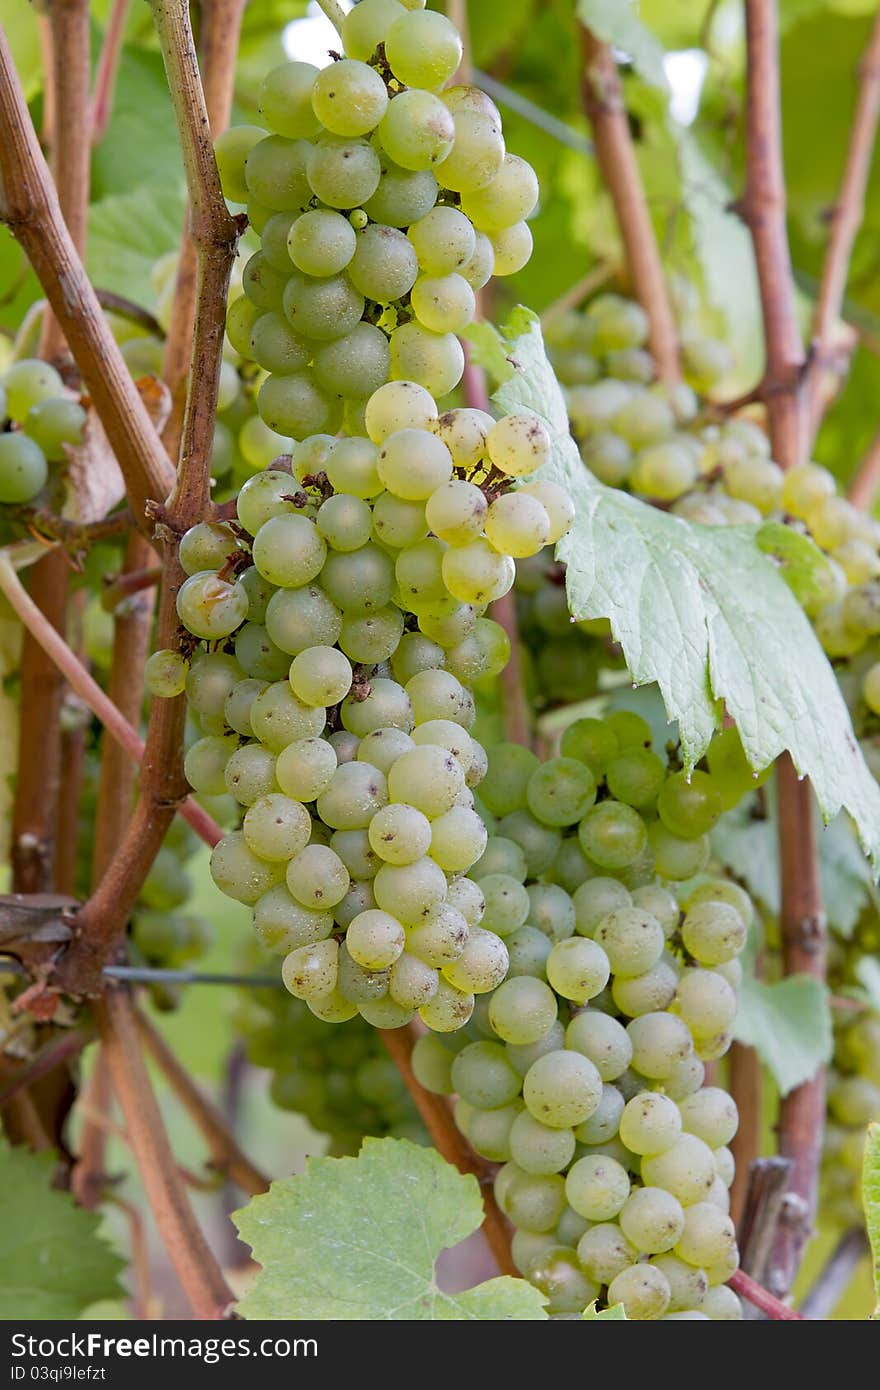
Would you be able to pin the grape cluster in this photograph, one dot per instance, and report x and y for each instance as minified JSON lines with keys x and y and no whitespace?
{"x":341,"y":1079}
{"x":39,"y":420}
{"x":344,"y":616}
{"x":583,"y":1072}
{"x":384,"y":200}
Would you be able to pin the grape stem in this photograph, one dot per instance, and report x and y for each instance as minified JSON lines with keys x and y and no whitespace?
{"x":745,"y":1083}
{"x":195,"y":339}
{"x":56,"y":1053}
{"x":747,"y":1288}
{"x":29,"y":206}
{"x":196,"y":1268}
{"x":74,"y":535}
{"x":89,"y":691}
{"x":438,"y":1120}
{"x":334,"y":12}
{"x":802,"y":919}
{"x":226,"y":1156}
{"x":88,"y":1178}
{"x":845,"y":218}
{"x":864,"y":486}
{"x":514,"y":701}
{"x":616,"y":156}
{"x":107,"y":70}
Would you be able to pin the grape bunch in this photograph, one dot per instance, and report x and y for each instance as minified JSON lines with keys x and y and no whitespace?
{"x":39,"y":420}
{"x":583,"y":1073}
{"x":384,"y":199}
{"x":342,"y":617}
{"x":340,"y":1079}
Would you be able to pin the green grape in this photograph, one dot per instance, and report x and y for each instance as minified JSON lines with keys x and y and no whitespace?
{"x":311,"y":971}
{"x":562,"y":1088}
{"x":258,"y":655}
{"x":352,"y":467}
{"x":689,"y":807}
{"x":275,"y":346}
{"x":636,"y":776}
{"x":512,"y":247}
{"x":557,"y":1274}
{"x":309,"y":456}
{"x":356,"y":792}
{"x":632,"y":939}
{"x":165,"y":674}
{"x":482,"y":1075}
{"x":400,"y":834}
{"x":345,"y":522}
{"x":285,"y":100}
{"x":706,"y":1002}
{"x":373,"y":637}
{"x":239,"y":873}
{"x":366,"y":25}
{"x":403,"y":197}
{"x":478,"y":152}
{"x":713,"y":932}
{"x":805,"y":486}
{"x":660,"y":903}
{"x":343,"y":171}
{"x":206,"y":546}
{"x":522,"y":1011}
{"x":209,"y":681}
{"x":722,"y":1304}
{"x":317,"y":877}
{"x":597,"y":1187}
{"x":527,"y":950}
{"x":416,"y":653}
{"x":674,"y":857}
{"x":275,"y":173}
{"x":54,"y":423}
{"x":504,"y":788}
{"x":353,"y":848}
{"x":476,"y":573}
{"x":360,"y":581}
{"x":209,"y":607}
{"x":417,"y":131}
{"x":518,"y":444}
{"x":540,"y":843}
{"x":532,"y":1201}
{"x":659,"y":1042}
{"x":398,"y":523}
{"x":301,"y":618}
{"x":231,"y":149}
{"x":442,"y":934}
{"x":357,"y":984}
{"x":652,"y":1220}
{"x":458,"y":838}
{"x":603,"y":1040}
{"x":481,"y":966}
{"x":686,"y":1169}
{"x":250,"y":773}
{"x":577,"y":969}
{"x":432,"y":1061}
{"x":708,"y":1236}
{"x":590,"y":741}
{"x":506,"y":903}
{"x":537,"y":1148}
{"x":559,"y":508}
{"x":605,"y":1252}
{"x":434,"y":360}
{"x":241,"y":315}
{"x":601,"y":1127}
{"x":204,"y":766}
{"x":349,"y":97}
{"x":711,"y":1114}
{"x":423,"y":48}
{"x":305,"y":768}
{"x":23,"y":468}
{"x":27,"y":383}
{"x":448,"y":622}
{"x":375,"y":939}
{"x":648,"y":992}
{"x":429,"y":778}
{"x":444,"y":305}
{"x":510,"y":197}
{"x":321,"y":242}
{"x":278,"y":717}
{"x":274,"y":244}
{"x":561,"y":791}
{"x":323,"y":309}
{"x":289,"y":551}
{"x":295,"y":404}
{"x":385,"y":706}
{"x":418,"y":573}
{"x":612,"y":835}
{"x":399,"y":405}
{"x":320,"y":676}
{"x":260,"y":445}
{"x":410,"y":891}
{"x":276,"y":828}
{"x":357,"y":363}
{"x":449,"y":1010}
{"x":413,"y":984}
{"x":262,"y":497}
{"x":385,"y":266}
{"x":479,"y":268}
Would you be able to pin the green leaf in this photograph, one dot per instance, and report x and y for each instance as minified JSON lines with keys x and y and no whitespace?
{"x":701,"y":611}
{"x":358,"y":1239}
{"x":616,"y":1313}
{"x":53,"y":1262}
{"x":140,"y":147}
{"x":788,"y":1023}
{"x":871,"y":1202}
{"x":128,"y":232}
{"x":615,"y":21}
{"x":868,"y":976}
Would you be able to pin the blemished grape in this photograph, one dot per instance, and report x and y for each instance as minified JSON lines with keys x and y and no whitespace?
{"x":165,"y":674}
{"x":417,"y":131}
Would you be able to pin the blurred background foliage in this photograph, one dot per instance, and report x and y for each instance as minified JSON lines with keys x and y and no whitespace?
{"x":683,"y":76}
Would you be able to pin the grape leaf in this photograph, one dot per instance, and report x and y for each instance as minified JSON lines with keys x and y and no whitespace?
{"x":615,"y":1313}
{"x":53,"y":1263}
{"x":871,"y":1202}
{"x":701,"y":610}
{"x":788,"y":1023}
{"x":128,"y":232}
{"x":615,"y":22}
{"x":358,"y":1238}
{"x":748,"y":846}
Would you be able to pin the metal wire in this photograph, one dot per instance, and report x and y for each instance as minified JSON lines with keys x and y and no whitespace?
{"x":536,"y":115}
{"x":153,"y":975}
